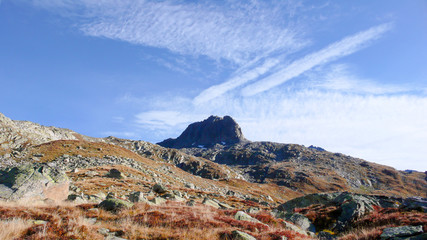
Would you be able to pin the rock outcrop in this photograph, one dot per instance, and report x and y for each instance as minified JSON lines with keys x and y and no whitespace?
{"x":214,"y":130}
{"x":29,"y":181}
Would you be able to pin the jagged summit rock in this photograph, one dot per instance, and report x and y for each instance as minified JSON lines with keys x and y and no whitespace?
{"x":211,"y":131}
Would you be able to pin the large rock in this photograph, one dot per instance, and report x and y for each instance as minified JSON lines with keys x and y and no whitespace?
{"x":238,"y":235}
{"x":115,"y":173}
{"x":242,"y":216}
{"x":33,"y":181}
{"x":352,"y":206}
{"x":402,"y":231}
{"x":300,"y":220}
{"x":114,"y":204}
{"x":214,"y":130}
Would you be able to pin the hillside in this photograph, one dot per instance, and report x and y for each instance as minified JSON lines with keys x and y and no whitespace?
{"x":58,"y":184}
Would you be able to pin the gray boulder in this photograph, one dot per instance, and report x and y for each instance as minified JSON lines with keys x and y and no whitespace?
{"x":415,"y":203}
{"x":300,"y":220}
{"x":210,"y":202}
{"x":33,"y":181}
{"x":242,"y":216}
{"x":402,"y":231}
{"x":307,"y":200}
{"x":136,"y":197}
{"x":238,"y":235}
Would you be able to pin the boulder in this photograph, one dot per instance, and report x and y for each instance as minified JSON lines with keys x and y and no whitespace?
{"x":402,"y":231}
{"x":238,"y":235}
{"x":136,"y":197}
{"x":158,"y":188}
{"x":114,"y":204}
{"x":415,"y":203}
{"x":300,"y":220}
{"x":242,"y":216}
{"x":210,"y":202}
{"x":33,"y":181}
{"x":307,"y":200}
{"x":115,"y":173}
{"x":158,"y":201}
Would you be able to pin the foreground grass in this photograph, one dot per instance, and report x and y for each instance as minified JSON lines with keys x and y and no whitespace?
{"x":170,"y":221}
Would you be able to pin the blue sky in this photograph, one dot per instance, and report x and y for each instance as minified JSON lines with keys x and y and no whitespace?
{"x":349,"y":76}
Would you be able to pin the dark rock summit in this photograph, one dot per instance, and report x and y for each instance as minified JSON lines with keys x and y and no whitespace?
{"x":214,"y":130}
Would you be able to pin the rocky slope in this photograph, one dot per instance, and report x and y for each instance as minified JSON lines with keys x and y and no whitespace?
{"x":127,"y":189}
{"x":304,"y":169}
{"x":16,"y":136}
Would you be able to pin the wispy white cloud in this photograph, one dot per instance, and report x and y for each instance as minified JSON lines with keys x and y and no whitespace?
{"x":338,"y":77}
{"x":334,"y":51}
{"x":240,"y":79}
{"x":220,"y":31}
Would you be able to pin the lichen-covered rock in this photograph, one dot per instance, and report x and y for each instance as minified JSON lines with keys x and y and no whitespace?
{"x":33,"y":181}
{"x":402,"y":231}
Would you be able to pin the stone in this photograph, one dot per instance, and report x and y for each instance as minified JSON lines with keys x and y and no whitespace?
{"x":136,"y":197}
{"x":33,"y":181}
{"x":110,"y":195}
{"x":91,"y":173}
{"x":114,"y":204}
{"x":158,"y":188}
{"x":190,"y":185}
{"x":294,"y":228}
{"x":104,"y":231}
{"x":115,"y":173}
{"x":191,"y":203}
{"x":158,"y":200}
{"x":402,"y":231}
{"x":76,"y":198}
{"x":301,"y":221}
{"x":242,"y":216}
{"x":252,"y":210}
{"x":224,"y":205}
{"x":415,"y":203}
{"x":238,"y":235}
{"x":210,"y":202}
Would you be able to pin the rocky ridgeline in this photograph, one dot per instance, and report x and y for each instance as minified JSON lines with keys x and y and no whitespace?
{"x":16,"y":136}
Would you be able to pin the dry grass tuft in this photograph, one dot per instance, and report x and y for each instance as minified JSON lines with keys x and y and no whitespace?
{"x":13,"y":228}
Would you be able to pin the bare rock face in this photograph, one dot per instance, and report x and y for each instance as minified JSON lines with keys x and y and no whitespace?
{"x":30,"y":181}
{"x":214,"y":130}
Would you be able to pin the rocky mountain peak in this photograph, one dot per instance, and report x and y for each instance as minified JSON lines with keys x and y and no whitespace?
{"x":211,"y":131}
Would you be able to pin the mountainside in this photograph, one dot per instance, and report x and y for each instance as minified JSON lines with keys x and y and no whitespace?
{"x":305,"y":169}
{"x":63,"y":185}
